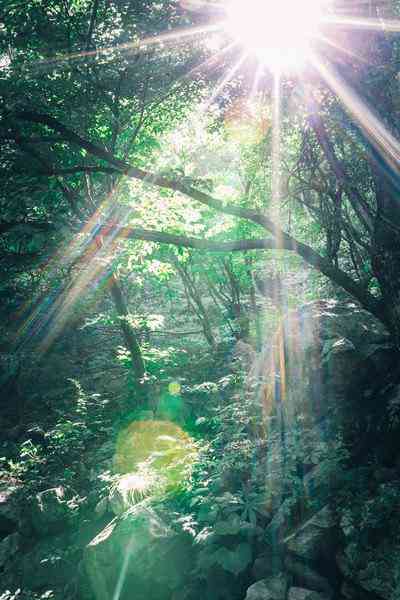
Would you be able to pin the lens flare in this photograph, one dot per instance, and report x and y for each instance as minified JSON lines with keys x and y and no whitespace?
{"x":278,"y":33}
{"x":154,"y":454}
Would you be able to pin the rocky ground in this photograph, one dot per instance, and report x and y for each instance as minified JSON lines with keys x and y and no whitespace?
{"x":336,"y":539}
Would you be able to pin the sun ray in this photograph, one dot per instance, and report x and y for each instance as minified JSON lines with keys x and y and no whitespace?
{"x":379,"y":136}
{"x":342,"y":49}
{"x":224,"y":81}
{"x":256,"y":82}
{"x":276,"y":148}
{"x":364,"y":24}
{"x":46,"y":317}
{"x":210,"y":63}
{"x":136,"y":47}
{"x":124,"y":568}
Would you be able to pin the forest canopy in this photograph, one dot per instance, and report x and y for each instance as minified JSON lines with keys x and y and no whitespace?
{"x":124,"y":121}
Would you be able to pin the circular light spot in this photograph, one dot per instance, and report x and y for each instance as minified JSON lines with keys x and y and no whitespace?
{"x":156,"y":451}
{"x":174,"y":388}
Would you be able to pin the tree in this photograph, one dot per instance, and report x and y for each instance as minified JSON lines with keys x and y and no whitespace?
{"x":117,"y":93}
{"x":352,"y":212}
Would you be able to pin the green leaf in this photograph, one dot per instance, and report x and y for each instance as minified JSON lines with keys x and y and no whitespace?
{"x":234,"y":561}
{"x":230,"y":526}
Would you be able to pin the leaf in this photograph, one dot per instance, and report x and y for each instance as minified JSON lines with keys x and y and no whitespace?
{"x":230,"y":526}
{"x":234,"y":561}
{"x":207,"y":513}
{"x":252,"y":517}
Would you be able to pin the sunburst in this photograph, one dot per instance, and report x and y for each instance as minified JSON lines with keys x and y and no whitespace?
{"x":281,"y":37}
{"x":279,"y":34}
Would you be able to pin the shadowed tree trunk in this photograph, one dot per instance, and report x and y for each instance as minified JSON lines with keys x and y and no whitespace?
{"x":130,"y":338}
{"x":256,"y":316}
{"x":195,"y":302}
{"x":386,"y":256}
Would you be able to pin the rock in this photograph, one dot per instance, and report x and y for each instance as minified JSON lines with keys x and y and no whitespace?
{"x":266,"y":565}
{"x":348,"y":591}
{"x":313,"y":539}
{"x":373,"y":568}
{"x":9,"y":509}
{"x":323,"y":479}
{"x":329,"y":346}
{"x":47,"y":564}
{"x":8,"y":547}
{"x":140,"y":554}
{"x":324,"y":518}
{"x":271,"y":588}
{"x":296,"y":593}
{"x":318,"y":483}
{"x":309,"y":543}
{"x":51,"y":511}
{"x":305,"y":576}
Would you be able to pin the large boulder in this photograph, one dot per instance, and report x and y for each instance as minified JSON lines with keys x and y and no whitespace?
{"x":307,"y":577}
{"x":271,"y":588}
{"x":139,"y":554}
{"x":266,"y":564}
{"x":321,"y":351}
{"x":296,"y":593}
{"x":315,"y":539}
{"x":374,"y":569}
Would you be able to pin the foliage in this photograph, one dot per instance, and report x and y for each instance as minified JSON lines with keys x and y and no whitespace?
{"x":140,"y":209}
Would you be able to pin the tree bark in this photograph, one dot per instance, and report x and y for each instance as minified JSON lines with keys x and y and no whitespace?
{"x":131,"y":340}
{"x":386,"y":255}
{"x":253,"y":303}
{"x":196,"y":303}
{"x":281,"y":238}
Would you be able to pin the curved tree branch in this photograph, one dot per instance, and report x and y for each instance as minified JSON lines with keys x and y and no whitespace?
{"x":135,"y":173}
{"x":196,"y":243}
{"x":282,"y":240}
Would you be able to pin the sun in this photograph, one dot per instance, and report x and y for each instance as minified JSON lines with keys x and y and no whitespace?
{"x":278,"y":32}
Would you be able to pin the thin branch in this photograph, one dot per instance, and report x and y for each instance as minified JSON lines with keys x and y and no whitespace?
{"x":140,"y":174}
{"x":283,"y":240}
{"x":359,"y":206}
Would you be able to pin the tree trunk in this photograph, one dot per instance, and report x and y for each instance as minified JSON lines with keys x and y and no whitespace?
{"x":386,"y":258}
{"x":253,"y":302}
{"x":130,"y":339}
{"x":195,"y":301}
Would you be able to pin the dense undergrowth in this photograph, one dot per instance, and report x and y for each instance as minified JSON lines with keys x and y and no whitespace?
{"x":234,"y":479}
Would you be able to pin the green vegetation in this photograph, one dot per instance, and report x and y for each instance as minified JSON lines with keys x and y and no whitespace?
{"x":200,"y":291}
